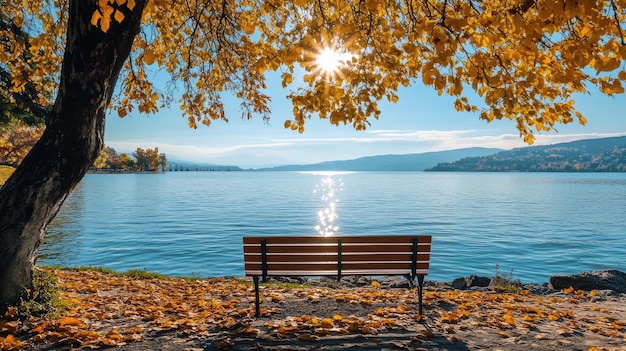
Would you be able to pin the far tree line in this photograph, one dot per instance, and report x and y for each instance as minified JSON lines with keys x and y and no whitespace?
{"x":148,"y":160}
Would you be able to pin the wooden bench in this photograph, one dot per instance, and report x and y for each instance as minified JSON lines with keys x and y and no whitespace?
{"x":337,"y":256}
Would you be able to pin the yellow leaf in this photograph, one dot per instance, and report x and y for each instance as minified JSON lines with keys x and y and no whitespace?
{"x":327,"y":323}
{"x":249,"y":28}
{"x":105,"y":24}
{"x":376,"y":284}
{"x":119,"y":16}
{"x":149,"y":56}
{"x":509,"y":319}
{"x":95,"y":18}
{"x":585,"y":31}
{"x":527,"y":318}
{"x":372,"y":5}
{"x":109,"y":342}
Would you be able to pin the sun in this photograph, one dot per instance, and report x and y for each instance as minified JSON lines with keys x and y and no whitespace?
{"x":330,"y":61}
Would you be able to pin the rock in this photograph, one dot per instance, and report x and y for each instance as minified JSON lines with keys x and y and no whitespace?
{"x":291,"y":279}
{"x":459,"y":284}
{"x":394,"y":282}
{"x":476,"y":281}
{"x":472,"y":281}
{"x":538,"y":289}
{"x":610,"y":279}
{"x":364,"y":281}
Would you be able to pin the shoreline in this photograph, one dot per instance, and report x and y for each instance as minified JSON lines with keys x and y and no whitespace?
{"x":169,"y":313}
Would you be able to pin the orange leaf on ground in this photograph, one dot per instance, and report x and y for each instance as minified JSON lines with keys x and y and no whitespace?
{"x":109,"y":342}
{"x":39,"y":329}
{"x":10,"y":327}
{"x":509,"y":319}
{"x":11,"y":343}
{"x":327,"y":323}
{"x":69,"y":321}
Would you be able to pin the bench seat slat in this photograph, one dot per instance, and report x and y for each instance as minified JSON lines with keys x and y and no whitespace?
{"x":324,"y":266}
{"x":318,"y":240}
{"x":271,"y":248}
{"x":333,"y":273}
{"x":345,"y":257}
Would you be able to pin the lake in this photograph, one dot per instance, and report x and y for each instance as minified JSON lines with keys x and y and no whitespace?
{"x":192,"y":223}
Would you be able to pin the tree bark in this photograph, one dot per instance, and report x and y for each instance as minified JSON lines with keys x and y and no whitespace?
{"x":73,"y":139}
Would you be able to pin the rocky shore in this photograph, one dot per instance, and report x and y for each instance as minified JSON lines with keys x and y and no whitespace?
{"x":609,"y":282}
{"x":585,"y":311}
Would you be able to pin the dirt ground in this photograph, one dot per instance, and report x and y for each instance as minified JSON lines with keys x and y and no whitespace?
{"x":217,"y":314}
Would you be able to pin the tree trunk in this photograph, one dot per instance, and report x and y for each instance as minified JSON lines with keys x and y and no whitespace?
{"x":73,"y":138}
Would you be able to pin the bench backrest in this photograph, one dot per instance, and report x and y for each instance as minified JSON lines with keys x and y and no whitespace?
{"x":337,"y":255}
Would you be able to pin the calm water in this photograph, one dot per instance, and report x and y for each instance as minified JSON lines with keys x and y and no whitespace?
{"x":191,"y":223}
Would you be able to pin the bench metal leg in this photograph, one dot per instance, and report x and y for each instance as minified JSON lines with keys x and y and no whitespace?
{"x":257,"y":304}
{"x":420,"y":285}
{"x":409,"y":278}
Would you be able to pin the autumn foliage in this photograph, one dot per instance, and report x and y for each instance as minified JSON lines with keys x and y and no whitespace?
{"x":524,"y":60}
{"x":16,"y":141}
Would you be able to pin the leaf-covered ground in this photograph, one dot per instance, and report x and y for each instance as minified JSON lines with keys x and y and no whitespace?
{"x":176,"y":314}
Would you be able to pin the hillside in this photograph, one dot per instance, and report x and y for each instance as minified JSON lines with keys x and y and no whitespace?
{"x":592,"y":155}
{"x":408,"y":162}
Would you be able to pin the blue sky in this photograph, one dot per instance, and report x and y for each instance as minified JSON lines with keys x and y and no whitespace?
{"x":419,"y":122}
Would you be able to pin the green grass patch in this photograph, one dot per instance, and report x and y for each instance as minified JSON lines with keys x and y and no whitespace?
{"x":98,"y":269}
{"x":505,"y":282}
{"x":45,"y":298}
{"x":131,"y":273}
{"x":5,"y":173}
{"x":143,"y":274}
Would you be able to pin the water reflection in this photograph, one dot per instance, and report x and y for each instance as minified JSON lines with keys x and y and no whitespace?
{"x":62,"y":238}
{"x":329,"y":188}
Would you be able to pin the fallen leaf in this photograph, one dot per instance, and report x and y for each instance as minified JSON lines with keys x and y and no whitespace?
{"x":327,"y":323}
{"x":69,"y":321}
{"x":308,"y":337}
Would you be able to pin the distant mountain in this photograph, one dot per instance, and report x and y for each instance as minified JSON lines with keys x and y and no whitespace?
{"x":592,"y":155}
{"x":408,"y":162}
